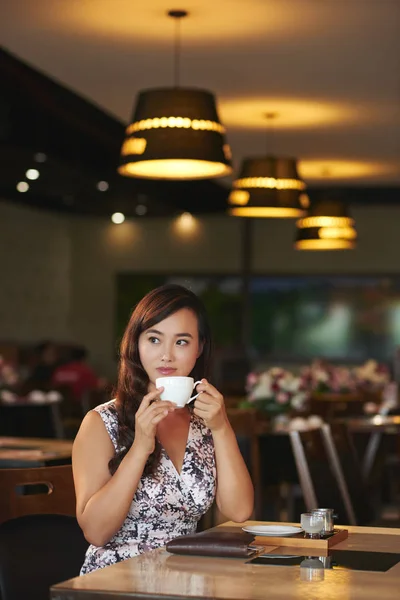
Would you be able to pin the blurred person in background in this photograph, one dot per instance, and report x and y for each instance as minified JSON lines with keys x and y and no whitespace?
{"x":45,"y":362}
{"x":77,"y":375}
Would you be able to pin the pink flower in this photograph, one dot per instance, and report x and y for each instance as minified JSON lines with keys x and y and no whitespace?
{"x":251,"y":381}
{"x":370,"y":408}
{"x":282,"y":398}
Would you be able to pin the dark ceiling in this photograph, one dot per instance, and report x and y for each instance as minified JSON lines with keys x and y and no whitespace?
{"x":82,"y":143}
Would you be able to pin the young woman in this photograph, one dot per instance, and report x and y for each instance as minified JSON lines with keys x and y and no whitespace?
{"x":145,"y":471}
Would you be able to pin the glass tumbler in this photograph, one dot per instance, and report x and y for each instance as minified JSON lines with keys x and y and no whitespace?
{"x":313,"y":524}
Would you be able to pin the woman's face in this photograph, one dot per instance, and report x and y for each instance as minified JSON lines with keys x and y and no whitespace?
{"x":171,"y":347}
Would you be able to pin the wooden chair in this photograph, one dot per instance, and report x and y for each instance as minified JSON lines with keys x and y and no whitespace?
{"x":38,"y":551}
{"x":390,"y":398}
{"x":41,"y":490}
{"x":230,"y":368}
{"x":244,"y":423}
{"x":73,"y":410}
{"x":318,"y":479}
{"x":41,"y":543}
{"x":336,"y":406}
{"x":347,"y":469}
{"x":270,"y":497}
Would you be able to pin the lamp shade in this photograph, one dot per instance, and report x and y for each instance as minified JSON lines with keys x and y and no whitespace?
{"x":175,"y":133}
{"x":268,"y":187}
{"x":327,"y":226}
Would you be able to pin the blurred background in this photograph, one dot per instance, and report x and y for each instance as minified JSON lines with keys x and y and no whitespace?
{"x":329,"y":74}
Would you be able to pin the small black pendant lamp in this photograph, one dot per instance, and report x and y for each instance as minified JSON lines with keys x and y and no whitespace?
{"x":268,"y":186}
{"x":327,"y":226}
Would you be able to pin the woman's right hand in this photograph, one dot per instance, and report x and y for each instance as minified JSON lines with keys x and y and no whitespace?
{"x":151,"y":411}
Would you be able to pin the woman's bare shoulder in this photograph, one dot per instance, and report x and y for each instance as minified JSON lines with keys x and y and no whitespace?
{"x":93,"y":434}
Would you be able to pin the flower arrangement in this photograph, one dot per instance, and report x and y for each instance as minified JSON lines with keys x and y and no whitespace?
{"x":322,"y":377}
{"x":278,"y":391}
{"x":275,"y":391}
{"x":371,"y":376}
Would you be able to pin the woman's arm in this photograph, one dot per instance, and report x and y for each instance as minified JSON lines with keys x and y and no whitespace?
{"x":102,"y":500}
{"x":235,"y":492}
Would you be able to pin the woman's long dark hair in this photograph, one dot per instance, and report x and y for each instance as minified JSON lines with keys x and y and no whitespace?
{"x":133,"y":380}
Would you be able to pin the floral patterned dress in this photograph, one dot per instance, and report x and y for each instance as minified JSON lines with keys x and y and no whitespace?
{"x":167,"y":504}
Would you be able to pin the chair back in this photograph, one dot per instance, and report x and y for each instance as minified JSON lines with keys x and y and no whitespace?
{"x":336,"y":408}
{"x":390,"y":400}
{"x":244,"y":423}
{"x":31,"y":420}
{"x":38,"y":490}
{"x":345,"y":464}
{"x":36,"y":552}
{"x":230,"y":368}
{"x":317,"y":478}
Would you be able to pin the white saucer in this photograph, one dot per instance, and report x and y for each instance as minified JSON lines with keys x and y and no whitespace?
{"x":272,"y":530}
{"x":279,"y":556}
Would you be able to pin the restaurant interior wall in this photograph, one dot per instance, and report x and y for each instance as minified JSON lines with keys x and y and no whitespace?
{"x":59,"y":273}
{"x":100,"y":251}
{"x":35,"y":281}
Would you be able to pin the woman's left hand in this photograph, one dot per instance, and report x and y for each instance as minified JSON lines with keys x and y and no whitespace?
{"x":210,"y":407}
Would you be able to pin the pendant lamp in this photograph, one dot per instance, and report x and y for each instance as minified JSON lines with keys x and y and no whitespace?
{"x":327,"y":226}
{"x":268,"y":186}
{"x":175,"y":133}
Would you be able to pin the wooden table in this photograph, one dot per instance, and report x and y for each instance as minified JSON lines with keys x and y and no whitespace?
{"x":162,"y":576}
{"x":376,"y":426}
{"x":16,"y":452}
{"x":372,"y":428}
{"x":386,"y":424}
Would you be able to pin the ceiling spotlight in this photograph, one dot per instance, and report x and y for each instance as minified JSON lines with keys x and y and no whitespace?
{"x":186,"y":223}
{"x":186,"y":218}
{"x":40,"y":157}
{"x":102,"y":186}
{"x":22,"y":186}
{"x":118,"y":218}
{"x":141,"y":210}
{"x":32,"y":174}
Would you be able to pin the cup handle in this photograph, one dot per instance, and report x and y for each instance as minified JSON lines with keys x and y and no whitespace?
{"x":193,"y":397}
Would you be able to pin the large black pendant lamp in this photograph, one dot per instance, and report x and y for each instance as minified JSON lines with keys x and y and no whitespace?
{"x":327,"y":226}
{"x":268,"y":186}
{"x":175,"y":133}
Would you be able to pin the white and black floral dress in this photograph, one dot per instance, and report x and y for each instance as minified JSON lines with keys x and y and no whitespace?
{"x":167,"y":504}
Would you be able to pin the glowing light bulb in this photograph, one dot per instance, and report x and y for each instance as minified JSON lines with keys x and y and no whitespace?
{"x":32,"y":174}
{"x":118,"y":218}
{"x":102,"y":186}
{"x":141,"y":209}
{"x":22,"y":186}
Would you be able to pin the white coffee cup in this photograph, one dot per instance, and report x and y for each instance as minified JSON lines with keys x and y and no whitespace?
{"x":177,"y":389}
